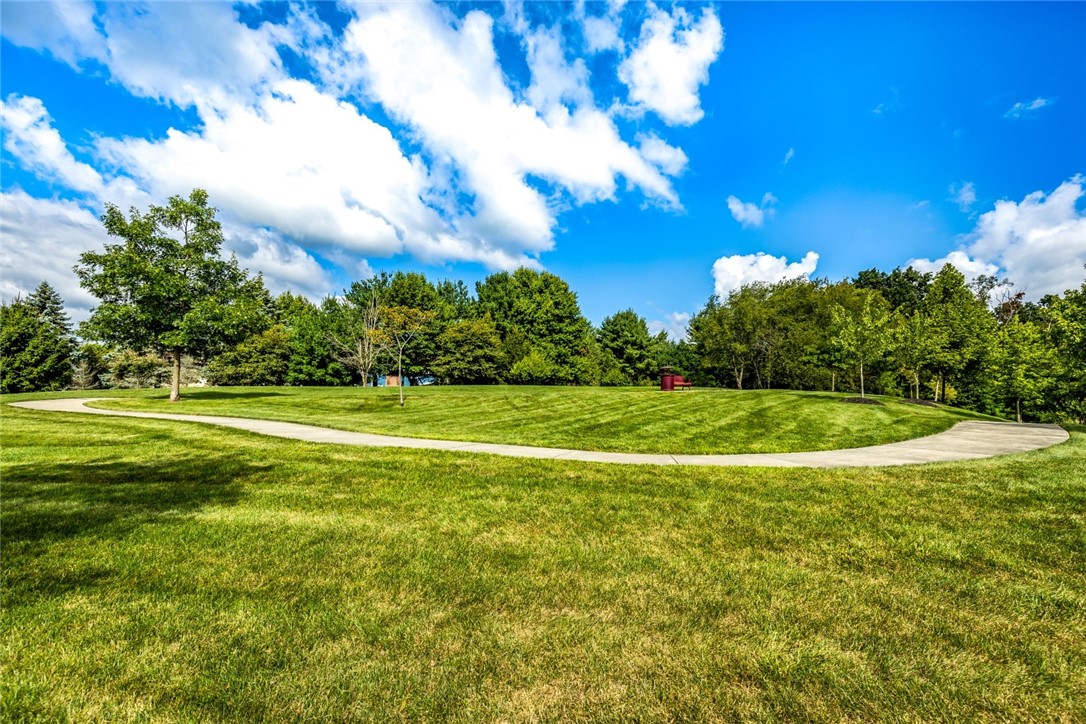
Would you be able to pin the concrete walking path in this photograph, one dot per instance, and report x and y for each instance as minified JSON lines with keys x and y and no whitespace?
{"x":965,"y":441}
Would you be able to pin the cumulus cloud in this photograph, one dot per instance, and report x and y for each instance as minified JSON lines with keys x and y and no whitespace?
{"x":732,"y":272}
{"x":474,"y":167}
{"x":1022,"y":109}
{"x":186,"y":53}
{"x":444,"y":81}
{"x":30,"y":137}
{"x":1038,"y":243}
{"x":749,"y":214}
{"x":65,"y":30}
{"x":43,"y":239}
{"x":285,"y":266}
{"x":668,"y":159}
{"x":970,"y":267}
{"x":670,"y":62}
{"x":963,"y":194}
{"x":310,"y":188}
{"x":674,"y":323}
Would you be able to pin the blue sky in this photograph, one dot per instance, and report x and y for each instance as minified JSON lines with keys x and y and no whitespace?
{"x":650,"y":154}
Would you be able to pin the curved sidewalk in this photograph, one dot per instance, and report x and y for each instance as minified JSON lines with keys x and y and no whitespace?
{"x":965,"y":441}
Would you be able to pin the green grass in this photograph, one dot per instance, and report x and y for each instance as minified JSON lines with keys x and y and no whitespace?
{"x":614,"y":419}
{"x":169,"y":572}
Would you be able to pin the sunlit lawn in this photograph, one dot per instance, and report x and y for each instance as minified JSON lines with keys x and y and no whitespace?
{"x":619,"y":419}
{"x":179,"y":572}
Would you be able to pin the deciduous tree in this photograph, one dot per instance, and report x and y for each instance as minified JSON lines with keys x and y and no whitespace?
{"x":166,"y":287}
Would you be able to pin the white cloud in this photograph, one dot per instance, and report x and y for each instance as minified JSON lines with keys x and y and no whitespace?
{"x":42,"y":241}
{"x":964,"y":194}
{"x":296,"y":166}
{"x":789,"y":156}
{"x":674,"y":323}
{"x":732,"y":272}
{"x":1021,"y":109}
{"x":671,"y":62}
{"x":65,"y":30}
{"x":668,"y":159}
{"x":30,"y":137}
{"x":285,"y":266}
{"x":186,"y":53}
{"x":310,"y":188}
{"x":1038,"y":243}
{"x":970,"y":267}
{"x":601,"y":33}
{"x":749,"y":214}
{"x":446,"y":84}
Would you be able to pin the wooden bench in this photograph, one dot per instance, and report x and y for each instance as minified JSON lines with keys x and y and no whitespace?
{"x":682,"y":383}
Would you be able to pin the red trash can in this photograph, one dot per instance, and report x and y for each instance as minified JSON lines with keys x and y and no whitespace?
{"x":667,"y":380}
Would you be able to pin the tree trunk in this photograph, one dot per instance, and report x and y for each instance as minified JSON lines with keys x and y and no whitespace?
{"x":861,"y":379}
{"x":175,"y":383}
{"x":833,"y":381}
{"x":1018,"y":409}
{"x":399,"y":371}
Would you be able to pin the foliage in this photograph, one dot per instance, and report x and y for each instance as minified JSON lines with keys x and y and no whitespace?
{"x":625,"y":337}
{"x":89,"y":362}
{"x":308,"y":329}
{"x":1024,"y":366}
{"x":130,"y":369}
{"x":534,"y":368}
{"x":50,"y":308}
{"x":964,"y":325}
{"x":863,"y":337}
{"x":535,"y":312}
{"x":470,"y":353}
{"x":165,"y":286}
{"x":262,"y":359}
{"x":35,"y":351}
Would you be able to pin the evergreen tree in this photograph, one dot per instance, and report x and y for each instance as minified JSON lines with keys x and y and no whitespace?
{"x":625,"y":336}
{"x":34,"y":352}
{"x":50,"y":308}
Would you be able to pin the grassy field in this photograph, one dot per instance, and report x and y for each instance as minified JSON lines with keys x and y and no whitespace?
{"x":169,"y":572}
{"x":584,"y":418}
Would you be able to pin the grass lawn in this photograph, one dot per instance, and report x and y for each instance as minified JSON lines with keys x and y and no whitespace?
{"x":169,"y":572}
{"x":627,"y":419}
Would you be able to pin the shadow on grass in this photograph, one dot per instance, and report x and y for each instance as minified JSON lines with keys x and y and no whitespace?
{"x":45,"y":503}
{"x":227,"y":394}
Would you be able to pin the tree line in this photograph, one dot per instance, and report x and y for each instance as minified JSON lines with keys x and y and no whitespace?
{"x":171,"y":308}
{"x":906,"y":333}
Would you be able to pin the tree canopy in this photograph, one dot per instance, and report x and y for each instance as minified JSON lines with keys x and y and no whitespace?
{"x":165,"y":287}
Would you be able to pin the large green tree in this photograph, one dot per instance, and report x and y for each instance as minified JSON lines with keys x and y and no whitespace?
{"x":964,"y":328}
{"x":261,"y":359}
{"x":34,"y":351}
{"x":1024,"y":367}
{"x":166,"y":287}
{"x":537,"y":314}
{"x":625,"y":336}
{"x":311,"y":360}
{"x":470,"y":352}
{"x":1067,"y":315}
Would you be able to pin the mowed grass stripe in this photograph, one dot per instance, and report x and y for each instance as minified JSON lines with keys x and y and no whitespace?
{"x":182,"y":573}
{"x":607,"y":419}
